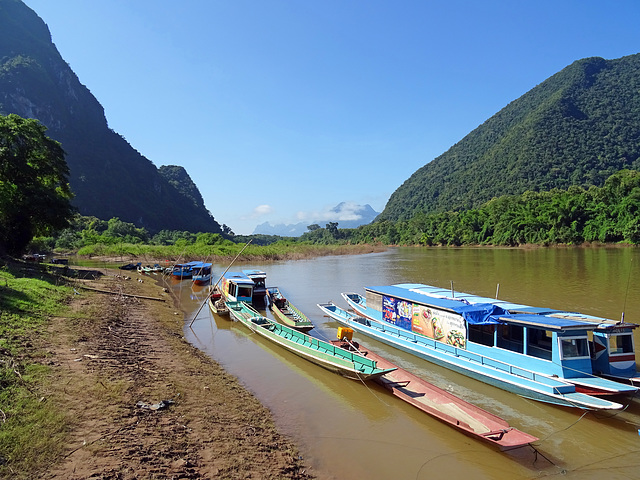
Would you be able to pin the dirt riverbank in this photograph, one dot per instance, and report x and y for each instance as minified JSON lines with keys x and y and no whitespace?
{"x":143,"y":403}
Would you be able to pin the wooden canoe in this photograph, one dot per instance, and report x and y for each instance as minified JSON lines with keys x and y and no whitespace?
{"x":347,"y":363}
{"x":444,"y":406}
{"x":287,"y":313}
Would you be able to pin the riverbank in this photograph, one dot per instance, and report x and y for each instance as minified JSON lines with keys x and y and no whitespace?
{"x":135,"y":400}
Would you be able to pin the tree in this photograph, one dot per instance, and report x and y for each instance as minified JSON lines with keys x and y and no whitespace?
{"x":35,"y":198}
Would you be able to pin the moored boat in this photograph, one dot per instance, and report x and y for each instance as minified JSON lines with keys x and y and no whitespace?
{"x":455,"y":355}
{"x":324,"y":354}
{"x":440,"y":404}
{"x":287,"y":313}
{"x":183,"y":271}
{"x":237,"y":287}
{"x":217,"y":303}
{"x":551,"y":342}
{"x":259,"y":284}
{"x":201,"y":273}
{"x":611,"y":347}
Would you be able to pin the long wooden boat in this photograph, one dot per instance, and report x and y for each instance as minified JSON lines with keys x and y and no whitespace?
{"x":287,"y":313}
{"x":442,"y":405}
{"x":324,"y":354}
{"x":547,"y":341}
{"x":201,"y":273}
{"x":183,"y":270}
{"x":519,"y":380}
{"x":612,"y":349}
{"x":217,"y":303}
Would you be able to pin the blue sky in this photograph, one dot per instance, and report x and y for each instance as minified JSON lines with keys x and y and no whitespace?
{"x":280,"y":110}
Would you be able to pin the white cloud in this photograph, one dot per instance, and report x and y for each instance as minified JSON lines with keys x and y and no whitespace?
{"x":259,"y":211}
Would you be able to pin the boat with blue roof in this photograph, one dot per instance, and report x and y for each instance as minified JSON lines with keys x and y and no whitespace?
{"x":183,"y":271}
{"x":584,"y":350}
{"x":237,"y":287}
{"x":537,"y":355}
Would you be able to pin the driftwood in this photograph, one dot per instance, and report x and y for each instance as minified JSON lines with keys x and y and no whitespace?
{"x":122,"y":294}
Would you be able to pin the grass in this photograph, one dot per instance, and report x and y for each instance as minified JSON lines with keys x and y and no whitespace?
{"x":31,"y":429}
{"x":277,"y":251}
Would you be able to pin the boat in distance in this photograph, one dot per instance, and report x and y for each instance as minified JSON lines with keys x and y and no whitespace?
{"x":201,"y":273}
{"x":320,"y":352}
{"x":287,"y":313}
{"x":546,"y":341}
{"x":526,"y":383}
{"x":442,"y":405}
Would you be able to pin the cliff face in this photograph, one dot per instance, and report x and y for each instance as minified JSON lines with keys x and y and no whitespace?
{"x":108,"y":176}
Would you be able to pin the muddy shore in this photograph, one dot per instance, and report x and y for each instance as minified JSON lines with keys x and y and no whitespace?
{"x":143,"y":403}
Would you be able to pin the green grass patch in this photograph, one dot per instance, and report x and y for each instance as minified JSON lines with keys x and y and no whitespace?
{"x":31,"y":429}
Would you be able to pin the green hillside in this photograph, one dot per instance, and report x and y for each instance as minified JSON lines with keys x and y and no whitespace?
{"x":576,"y":128}
{"x":108,"y":176}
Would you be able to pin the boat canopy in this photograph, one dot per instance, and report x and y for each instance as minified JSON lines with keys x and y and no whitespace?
{"x":478,"y":314}
{"x":488,"y":313}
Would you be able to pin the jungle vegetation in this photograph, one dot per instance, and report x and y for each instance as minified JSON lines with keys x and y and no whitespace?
{"x":577,"y":128}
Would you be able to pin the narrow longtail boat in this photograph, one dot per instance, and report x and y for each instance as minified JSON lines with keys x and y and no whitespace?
{"x":287,"y":313}
{"x":217,"y":303}
{"x":201,"y":274}
{"x":440,"y":404}
{"x":336,"y":359}
{"x":453,"y":355}
{"x":549,"y":342}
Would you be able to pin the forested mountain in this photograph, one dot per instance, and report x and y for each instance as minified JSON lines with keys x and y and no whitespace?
{"x":108,"y":177}
{"x":576,"y":128}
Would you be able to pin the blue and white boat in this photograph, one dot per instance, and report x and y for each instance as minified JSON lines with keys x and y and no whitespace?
{"x":201,"y":273}
{"x":183,"y":270}
{"x":457,"y":356}
{"x":237,"y":287}
{"x":610,"y":343}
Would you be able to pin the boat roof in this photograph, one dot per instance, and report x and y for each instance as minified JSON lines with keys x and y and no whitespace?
{"x":515,"y":308}
{"x":255,"y":273}
{"x":476,"y":312}
{"x":238,"y":277}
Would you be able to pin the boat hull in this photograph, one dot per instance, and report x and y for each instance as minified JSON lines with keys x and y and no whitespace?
{"x":446,"y":407}
{"x":319,"y":352}
{"x":529,"y":385}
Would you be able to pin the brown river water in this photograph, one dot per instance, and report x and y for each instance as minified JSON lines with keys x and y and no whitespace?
{"x":350,"y":430}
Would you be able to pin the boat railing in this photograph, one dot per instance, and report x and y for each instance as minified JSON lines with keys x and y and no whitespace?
{"x":556,"y":384}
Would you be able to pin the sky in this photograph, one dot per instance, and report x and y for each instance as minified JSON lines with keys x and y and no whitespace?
{"x":281,"y":109}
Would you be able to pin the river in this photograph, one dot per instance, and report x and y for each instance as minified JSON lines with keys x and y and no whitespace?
{"x":350,"y":430}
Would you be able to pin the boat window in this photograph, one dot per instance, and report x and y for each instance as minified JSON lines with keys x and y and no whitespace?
{"x":621,"y":343}
{"x":244,"y":292}
{"x":539,"y":343}
{"x":511,"y":337}
{"x":232,"y":290}
{"x":574,"y":347}
{"x":482,"y":334}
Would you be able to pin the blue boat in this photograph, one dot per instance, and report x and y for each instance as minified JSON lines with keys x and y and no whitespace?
{"x":201,"y":273}
{"x":237,"y":287}
{"x":183,"y":271}
{"x":609,"y":343}
{"x":457,"y":356}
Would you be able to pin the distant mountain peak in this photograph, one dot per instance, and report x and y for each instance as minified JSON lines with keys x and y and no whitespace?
{"x":347,"y":214}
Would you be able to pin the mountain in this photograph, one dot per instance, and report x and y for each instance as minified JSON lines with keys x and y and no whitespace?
{"x":576,"y":128}
{"x":347,"y":214}
{"x":108,"y":176}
